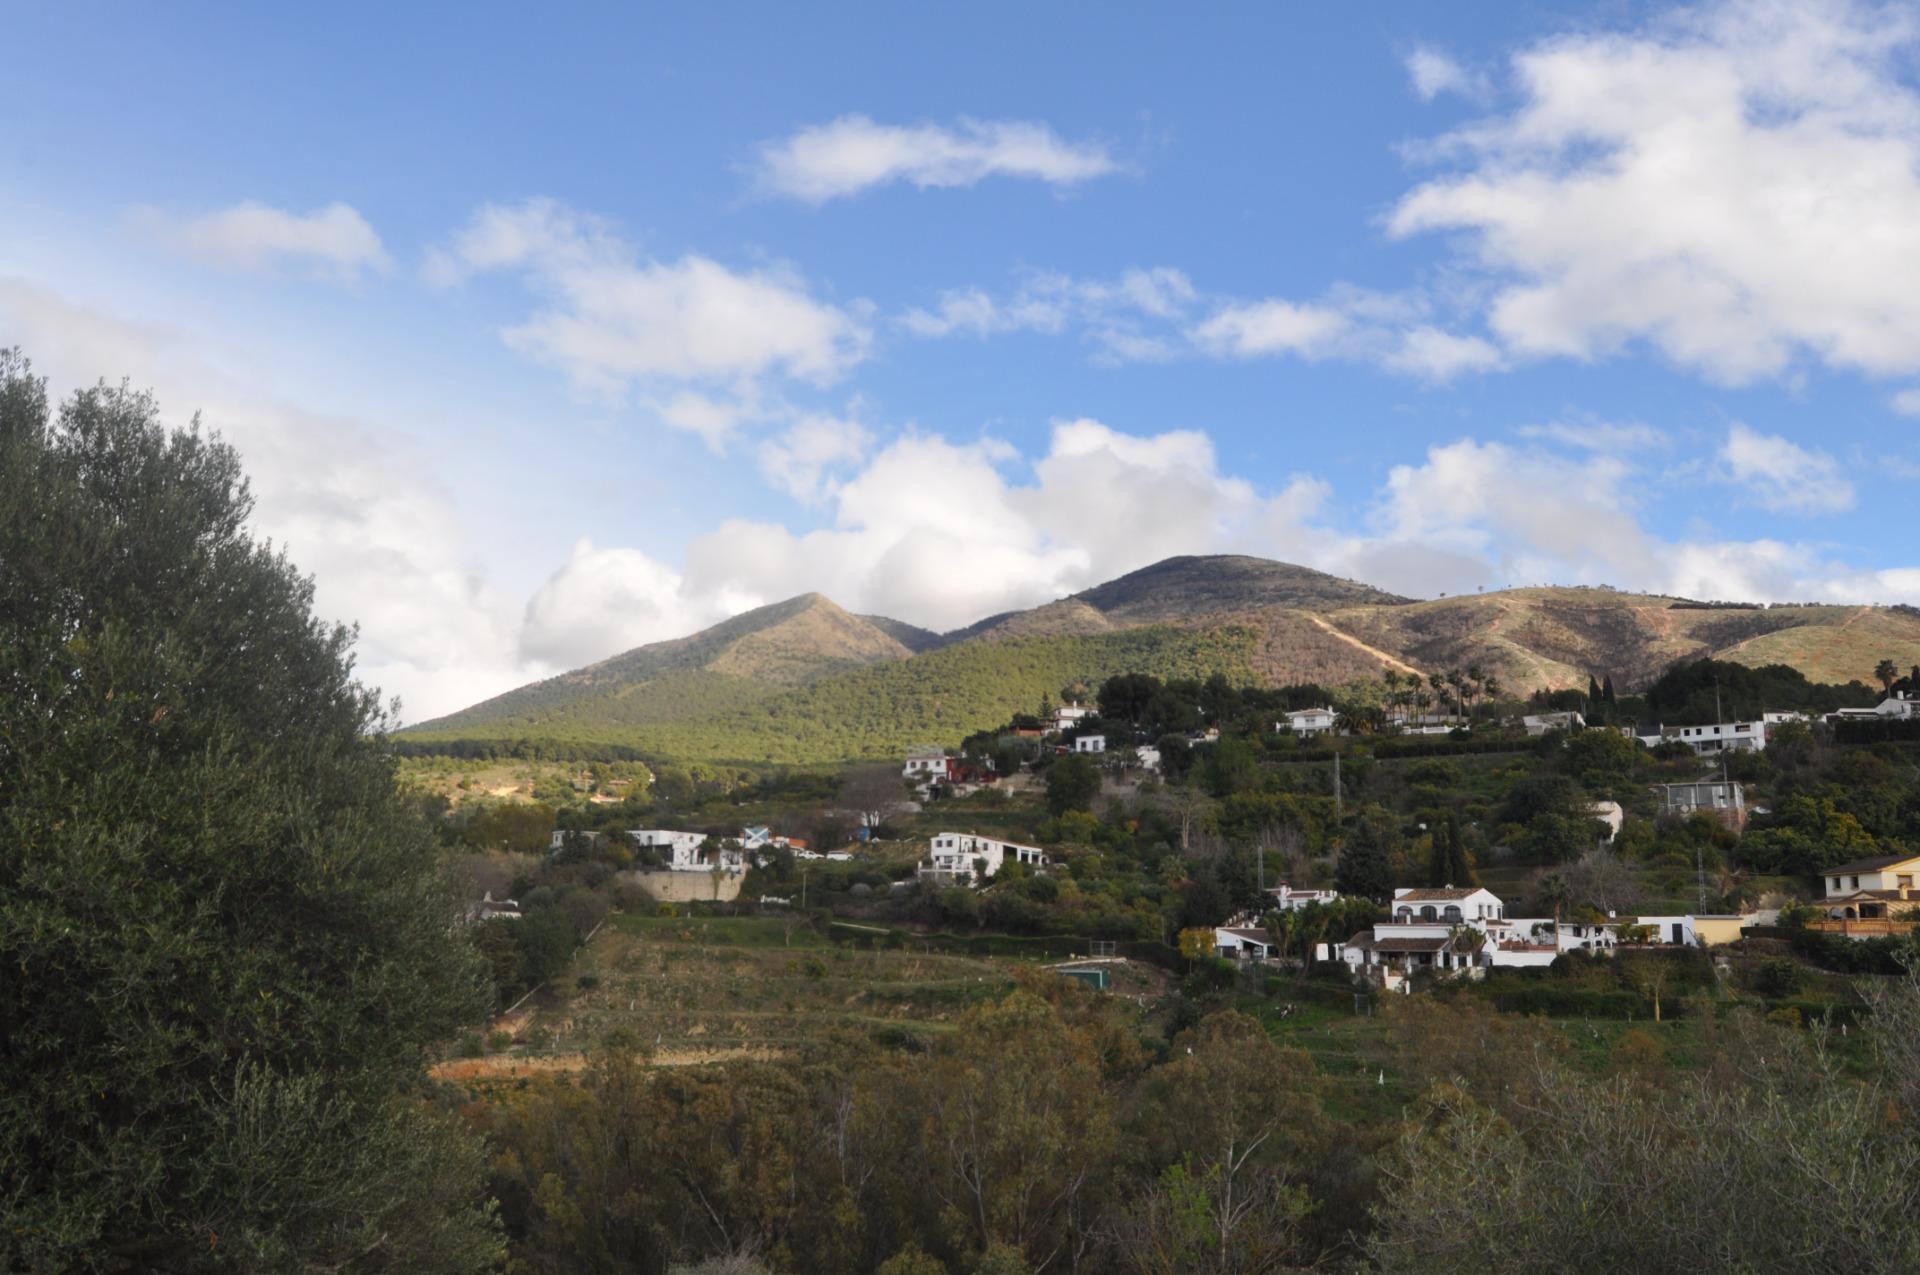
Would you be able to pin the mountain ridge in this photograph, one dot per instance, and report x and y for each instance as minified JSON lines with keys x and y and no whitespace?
{"x":807,"y":669}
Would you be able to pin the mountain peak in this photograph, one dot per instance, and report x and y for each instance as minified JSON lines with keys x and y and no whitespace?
{"x":1180,"y":588}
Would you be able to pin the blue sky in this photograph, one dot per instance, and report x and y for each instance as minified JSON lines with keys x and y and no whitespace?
{"x":544,"y":337}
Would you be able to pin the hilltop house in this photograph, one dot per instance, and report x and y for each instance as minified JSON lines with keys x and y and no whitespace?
{"x":1149,"y":757}
{"x":1287,"y":899}
{"x":1090,"y":744}
{"x":1452,"y":905}
{"x":1309,"y":721}
{"x":1900,"y":706}
{"x":1540,"y":723}
{"x":689,"y":851}
{"x":1880,"y":889}
{"x":562,"y":839}
{"x":1725,"y":801}
{"x":924,"y":764}
{"x":964,"y":858}
{"x":1244,"y":943}
{"x":1444,"y":930}
{"x":492,"y":909}
{"x":1739,"y":737}
{"x":1068,"y":716}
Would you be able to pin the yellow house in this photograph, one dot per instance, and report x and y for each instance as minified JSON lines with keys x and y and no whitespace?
{"x":1715,"y":931}
{"x":1878,"y":889}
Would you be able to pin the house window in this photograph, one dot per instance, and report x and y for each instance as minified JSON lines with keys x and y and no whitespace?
{"x":1453,"y":912}
{"x":1903,"y":881}
{"x":1856,"y":883}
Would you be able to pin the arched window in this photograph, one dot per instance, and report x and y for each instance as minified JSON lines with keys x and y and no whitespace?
{"x":1453,"y":912}
{"x":1427,"y":913}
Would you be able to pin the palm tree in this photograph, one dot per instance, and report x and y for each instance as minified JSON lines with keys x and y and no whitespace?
{"x":1887,"y":673}
{"x":1458,"y":681}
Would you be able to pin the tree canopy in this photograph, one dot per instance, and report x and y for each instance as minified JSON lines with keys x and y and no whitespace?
{"x":225,"y":936}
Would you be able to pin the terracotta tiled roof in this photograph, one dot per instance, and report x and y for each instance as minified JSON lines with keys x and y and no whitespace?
{"x":1411,"y":945}
{"x":1436,"y":892}
{"x":1869,"y":865}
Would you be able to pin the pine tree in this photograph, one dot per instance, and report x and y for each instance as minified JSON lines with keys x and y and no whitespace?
{"x":1365,"y":866}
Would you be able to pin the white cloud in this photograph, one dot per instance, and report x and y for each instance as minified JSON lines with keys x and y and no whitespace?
{"x":1781,"y":475}
{"x":1130,"y":318}
{"x":854,"y":153}
{"x":1616,"y":437}
{"x":345,"y":497}
{"x":334,"y":242}
{"x":615,"y":322}
{"x":799,"y":460}
{"x":1434,"y":72}
{"x":1437,"y":355}
{"x":603,"y":602}
{"x":1737,"y":185}
{"x":1273,"y":327}
{"x":1906,"y":402}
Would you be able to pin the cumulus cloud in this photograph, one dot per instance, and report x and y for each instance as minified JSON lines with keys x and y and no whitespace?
{"x":334,"y":242}
{"x":942,"y":533}
{"x":800,"y":460}
{"x":1273,"y":327}
{"x":615,"y":322}
{"x":1736,"y":186}
{"x":604,"y":601}
{"x":1906,"y":402}
{"x":1779,"y":474}
{"x":854,"y":153}
{"x":345,"y":497}
{"x":1434,"y":73}
{"x":1437,"y":355}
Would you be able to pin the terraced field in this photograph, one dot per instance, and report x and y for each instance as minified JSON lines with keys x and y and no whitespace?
{"x":691,"y":988}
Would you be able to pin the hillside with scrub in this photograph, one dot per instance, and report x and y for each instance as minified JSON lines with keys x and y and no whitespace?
{"x":805,"y":682}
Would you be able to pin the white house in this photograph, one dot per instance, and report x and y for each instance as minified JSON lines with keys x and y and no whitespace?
{"x":686,"y":852}
{"x":964,"y":858}
{"x":1451,"y":905}
{"x":492,"y":909}
{"x":1897,"y":707}
{"x":1310,"y":721}
{"x":1244,"y":943}
{"x":1725,"y":801}
{"x":1739,"y":737}
{"x":1429,"y":930}
{"x":1676,"y":930}
{"x":1149,"y":757}
{"x":1541,"y":723}
{"x":926,"y":763}
{"x":1090,"y":744}
{"x":1873,"y":889}
{"x":1067,"y":716}
{"x":562,"y":839}
{"x":1287,"y":899}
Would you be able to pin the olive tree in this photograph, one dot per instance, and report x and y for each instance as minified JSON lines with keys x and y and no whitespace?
{"x":224,"y":936}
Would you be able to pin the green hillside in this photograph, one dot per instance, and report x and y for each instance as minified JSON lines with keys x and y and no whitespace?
{"x":804,"y":681}
{"x":876,"y":711}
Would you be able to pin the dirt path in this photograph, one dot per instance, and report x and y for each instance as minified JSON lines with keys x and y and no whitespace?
{"x":511,"y":1066}
{"x":1391,"y":661}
